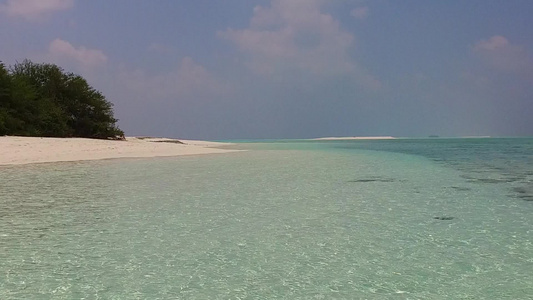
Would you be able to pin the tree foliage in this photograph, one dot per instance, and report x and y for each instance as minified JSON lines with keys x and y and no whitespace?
{"x":44,"y":100}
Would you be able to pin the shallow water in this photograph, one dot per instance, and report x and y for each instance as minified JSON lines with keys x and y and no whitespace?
{"x":401,"y":219}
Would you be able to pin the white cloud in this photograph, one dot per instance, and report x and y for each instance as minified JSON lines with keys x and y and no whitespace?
{"x":491,"y":44}
{"x":32,"y":9}
{"x":360,"y":12}
{"x":500,"y":67}
{"x":64,"y":52}
{"x":294,"y":35}
{"x":502,"y":55}
{"x":188,"y":79}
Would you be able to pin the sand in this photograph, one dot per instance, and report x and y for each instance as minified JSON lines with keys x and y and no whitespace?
{"x":27,"y":150}
{"x":357,"y":138}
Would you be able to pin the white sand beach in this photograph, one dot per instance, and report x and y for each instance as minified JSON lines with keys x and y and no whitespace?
{"x":16,"y":150}
{"x":356,"y":138}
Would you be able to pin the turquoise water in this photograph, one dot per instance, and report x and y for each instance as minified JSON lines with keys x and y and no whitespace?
{"x":399,"y":219}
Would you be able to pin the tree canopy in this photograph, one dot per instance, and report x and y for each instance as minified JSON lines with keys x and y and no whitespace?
{"x":44,"y":100}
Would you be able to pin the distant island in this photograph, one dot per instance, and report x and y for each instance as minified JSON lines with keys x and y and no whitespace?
{"x":355,"y":138}
{"x":43,"y":100}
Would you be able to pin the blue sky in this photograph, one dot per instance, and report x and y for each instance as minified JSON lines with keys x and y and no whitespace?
{"x":290,"y":68}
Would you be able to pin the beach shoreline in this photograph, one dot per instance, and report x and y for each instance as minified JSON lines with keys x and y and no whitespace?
{"x":17,"y":150}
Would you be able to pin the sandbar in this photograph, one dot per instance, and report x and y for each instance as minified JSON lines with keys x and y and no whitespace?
{"x":15,"y":150}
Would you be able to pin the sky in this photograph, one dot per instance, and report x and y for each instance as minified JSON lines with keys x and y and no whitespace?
{"x":272,"y":69}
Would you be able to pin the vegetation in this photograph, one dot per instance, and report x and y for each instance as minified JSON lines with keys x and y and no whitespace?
{"x":44,"y":100}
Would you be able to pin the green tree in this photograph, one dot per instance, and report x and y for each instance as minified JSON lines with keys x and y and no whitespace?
{"x":44,"y":100}
{"x":4,"y":99}
{"x":90,"y":114}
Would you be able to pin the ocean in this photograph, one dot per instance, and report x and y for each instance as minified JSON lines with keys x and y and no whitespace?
{"x":361,"y":219}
